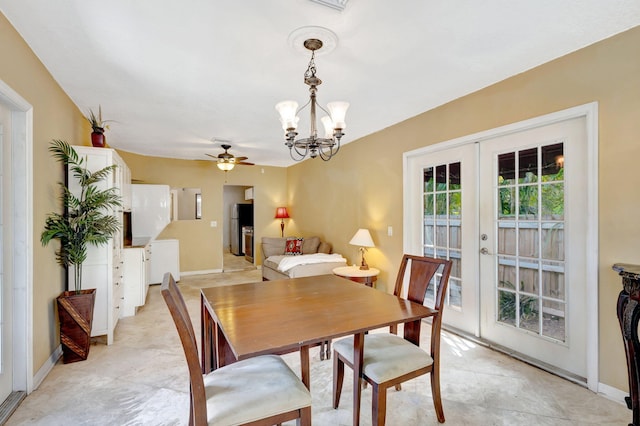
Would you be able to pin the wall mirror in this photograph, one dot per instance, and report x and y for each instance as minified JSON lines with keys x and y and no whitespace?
{"x":187,"y":203}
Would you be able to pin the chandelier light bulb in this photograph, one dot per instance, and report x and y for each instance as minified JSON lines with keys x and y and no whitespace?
{"x":327,"y":122}
{"x":338,"y":111}
{"x":288,"y":118}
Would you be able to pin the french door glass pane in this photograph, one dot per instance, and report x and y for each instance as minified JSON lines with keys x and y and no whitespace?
{"x":529,"y":221}
{"x":442,"y":237}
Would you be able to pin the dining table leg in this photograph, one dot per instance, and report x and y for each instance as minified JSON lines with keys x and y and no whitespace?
{"x":358,"y":356}
{"x":206,"y":334}
{"x":304,"y":366}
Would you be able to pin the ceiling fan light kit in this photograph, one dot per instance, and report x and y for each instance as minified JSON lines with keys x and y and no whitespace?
{"x":333,"y":123}
{"x":227,"y":162}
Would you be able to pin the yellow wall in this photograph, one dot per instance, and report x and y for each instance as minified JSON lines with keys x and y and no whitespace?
{"x":362,"y":186}
{"x":201,"y":245}
{"x":54,"y":117}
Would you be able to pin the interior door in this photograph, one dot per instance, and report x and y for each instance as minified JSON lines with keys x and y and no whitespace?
{"x":533,"y":230}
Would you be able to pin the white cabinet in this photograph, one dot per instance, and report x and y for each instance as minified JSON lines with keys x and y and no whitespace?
{"x":103,"y":269}
{"x":126,"y":188}
{"x":136,"y":278}
{"x":165,"y":257}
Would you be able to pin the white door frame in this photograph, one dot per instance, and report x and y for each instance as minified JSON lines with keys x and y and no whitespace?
{"x":22,"y":228}
{"x":412,"y":208}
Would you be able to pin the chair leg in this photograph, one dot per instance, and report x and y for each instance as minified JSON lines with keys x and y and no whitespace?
{"x":379,"y":405}
{"x":435,"y":391}
{"x":338,"y":377}
{"x":305,"y":417}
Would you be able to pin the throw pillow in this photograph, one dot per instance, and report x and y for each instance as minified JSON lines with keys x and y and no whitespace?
{"x":294,"y":246}
{"x":310,"y":245}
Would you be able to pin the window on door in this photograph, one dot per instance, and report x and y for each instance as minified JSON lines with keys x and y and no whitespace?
{"x":442,"y":226}
{"x":530,"y":240}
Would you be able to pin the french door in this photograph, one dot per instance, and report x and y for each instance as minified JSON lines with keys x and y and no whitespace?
{"x":510,"y":211}
{"x":449,"y":223}
{"x":533,"y":243}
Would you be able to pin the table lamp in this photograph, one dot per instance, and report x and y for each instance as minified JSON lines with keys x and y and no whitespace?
{"x":282,"y":214}
{"x":364,"y":240}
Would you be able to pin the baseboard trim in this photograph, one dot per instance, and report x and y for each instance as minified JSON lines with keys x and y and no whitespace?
{"x":46,"y":368}
{"x":614,"y":394}
{"x":10,"y":404}
{"x":206,"y":271}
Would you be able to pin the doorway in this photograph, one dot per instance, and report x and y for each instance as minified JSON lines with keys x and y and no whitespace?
{"x":237,"y":241}
{"x":518,"y":222}
{"x":16,"y":223}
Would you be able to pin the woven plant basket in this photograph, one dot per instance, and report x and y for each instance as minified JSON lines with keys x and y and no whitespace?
{"x":75,"y":312}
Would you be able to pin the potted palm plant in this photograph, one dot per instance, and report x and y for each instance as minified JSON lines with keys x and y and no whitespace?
{"x":87,"y":219}
{"x":98,"y":125}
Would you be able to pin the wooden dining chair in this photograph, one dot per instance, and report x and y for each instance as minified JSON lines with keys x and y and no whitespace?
{"x":259,"y":391}
{"x":390,"y":359}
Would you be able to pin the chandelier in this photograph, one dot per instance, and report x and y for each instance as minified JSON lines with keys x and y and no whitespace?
{"x":333,"y":122}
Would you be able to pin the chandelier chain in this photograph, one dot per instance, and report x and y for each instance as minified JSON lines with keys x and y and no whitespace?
{"x":311,"y":68}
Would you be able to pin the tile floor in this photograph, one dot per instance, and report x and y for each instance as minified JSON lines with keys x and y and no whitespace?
{"x":142,"y":380}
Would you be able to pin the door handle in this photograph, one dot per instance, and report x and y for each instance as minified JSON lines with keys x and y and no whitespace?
{"x":484,"y":250}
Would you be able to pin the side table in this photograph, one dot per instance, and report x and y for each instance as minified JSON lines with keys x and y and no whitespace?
{"x":628,"y":310}
{"x":354,"y":273}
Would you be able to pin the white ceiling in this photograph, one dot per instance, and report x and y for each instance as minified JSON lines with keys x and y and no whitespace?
{"x":175,"y":74}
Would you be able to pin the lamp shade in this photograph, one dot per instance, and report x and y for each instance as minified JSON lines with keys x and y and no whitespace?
{"x":362,"y":238}
{"x":288,"y":117}
{"x":282,"y":213}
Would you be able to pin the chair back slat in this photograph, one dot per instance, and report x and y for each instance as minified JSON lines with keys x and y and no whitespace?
{"x":422,"y":270}
{"x":180,"y":314}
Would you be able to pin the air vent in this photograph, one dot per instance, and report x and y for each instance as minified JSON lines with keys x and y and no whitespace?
{"x":333,"y":4}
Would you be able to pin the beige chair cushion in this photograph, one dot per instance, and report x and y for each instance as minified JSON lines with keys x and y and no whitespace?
{"x":252,"y":389}
{"x":386,"y":356}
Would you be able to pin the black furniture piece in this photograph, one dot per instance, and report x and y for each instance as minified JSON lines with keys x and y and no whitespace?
{"x":628,"y":315}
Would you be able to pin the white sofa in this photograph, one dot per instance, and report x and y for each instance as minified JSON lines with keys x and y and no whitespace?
{"x":273,"y":253}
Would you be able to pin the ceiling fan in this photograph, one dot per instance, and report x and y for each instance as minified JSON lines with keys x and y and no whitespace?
{"x":228,"y":161}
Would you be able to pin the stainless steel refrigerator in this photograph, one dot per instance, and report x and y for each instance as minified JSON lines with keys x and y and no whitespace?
{"x":241,"y":215}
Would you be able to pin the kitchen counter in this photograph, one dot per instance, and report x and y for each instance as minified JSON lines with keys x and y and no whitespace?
{"x":139,"y":242}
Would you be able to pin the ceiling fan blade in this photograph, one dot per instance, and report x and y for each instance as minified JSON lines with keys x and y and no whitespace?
{"x":212,"y":156}
{"x":241,"y":158}
{"x":244,"y":163}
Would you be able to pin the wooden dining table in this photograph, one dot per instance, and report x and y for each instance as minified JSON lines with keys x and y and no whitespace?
{"x":276,"y":317}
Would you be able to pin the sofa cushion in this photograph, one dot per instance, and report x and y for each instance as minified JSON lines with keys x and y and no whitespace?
{"x":273,"y":246}
{"x":310,"y":245}
{"x":272,"y":262}
{"x":324,"y":248}
{"x":293,"y":246}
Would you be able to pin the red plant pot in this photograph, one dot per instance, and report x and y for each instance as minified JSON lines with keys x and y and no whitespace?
{"x":97,"y":139}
